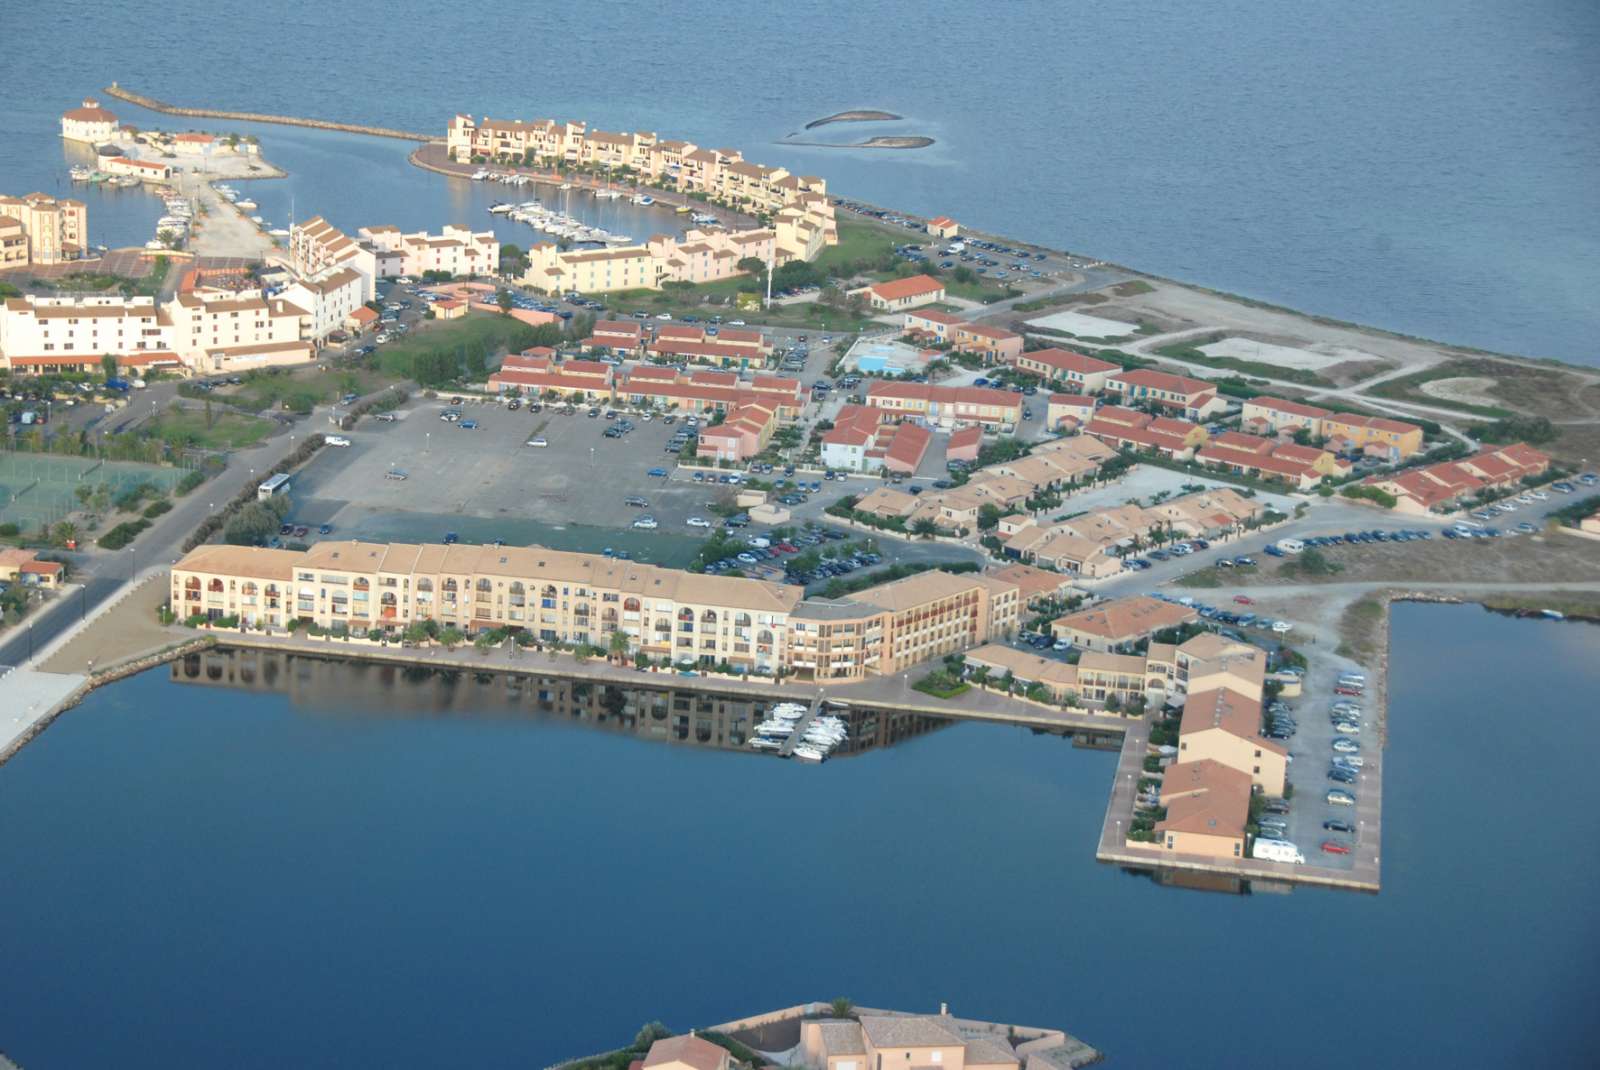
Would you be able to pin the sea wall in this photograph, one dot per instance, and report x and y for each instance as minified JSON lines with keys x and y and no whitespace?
{"x":259,"y":117}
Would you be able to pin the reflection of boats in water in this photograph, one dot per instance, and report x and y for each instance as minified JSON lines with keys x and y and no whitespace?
{"x":668,"y":709}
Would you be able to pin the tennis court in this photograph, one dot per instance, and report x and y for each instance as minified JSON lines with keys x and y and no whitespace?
{"x":38,"y":488}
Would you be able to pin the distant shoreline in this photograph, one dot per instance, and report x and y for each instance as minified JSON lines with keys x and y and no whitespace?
{"x":856,"y":116}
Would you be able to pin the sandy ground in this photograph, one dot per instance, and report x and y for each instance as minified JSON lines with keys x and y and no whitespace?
{"x":128,"y":629}
{"x":1471,"y":389}
{"x":1285,"y":356}
{"x":224,"y":230}
{"x":1084,"y":326}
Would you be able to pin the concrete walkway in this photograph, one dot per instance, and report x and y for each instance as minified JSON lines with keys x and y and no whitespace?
{"x":28,"y":701}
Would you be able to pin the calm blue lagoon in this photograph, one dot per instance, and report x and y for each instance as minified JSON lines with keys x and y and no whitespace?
{"x":301,"y":861}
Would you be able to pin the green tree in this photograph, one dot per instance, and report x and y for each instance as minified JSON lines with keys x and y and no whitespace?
{"x":503,"y":299}
{"x":988,"y":516}
{"x":485,"y":642}
{"x":619,"y":644}
{"x":925,"y":526}
{"x":108,"y":365}
{"x":842,"y":1007}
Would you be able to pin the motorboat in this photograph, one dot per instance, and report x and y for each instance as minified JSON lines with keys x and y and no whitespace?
{"x":500,"y":207}
{"x":78,"y":172}
{"x":245,"y":203}
{"x":809,"y":754}
{"x":643,"y":199}
{"x":766,"y":744}
{"x":683,"y":209}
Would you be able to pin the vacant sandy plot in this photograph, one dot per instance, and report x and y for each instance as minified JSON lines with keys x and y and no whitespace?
{"x":1313,"y":359}
{"x":1084,"y":326}
{"x":1470,"y":389}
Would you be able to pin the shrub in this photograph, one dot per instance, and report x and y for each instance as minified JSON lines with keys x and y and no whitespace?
{"x":121,"y":535}
{"x":1373,"y":494}
{"x":155,"y":509}
{"x":189,"y":482}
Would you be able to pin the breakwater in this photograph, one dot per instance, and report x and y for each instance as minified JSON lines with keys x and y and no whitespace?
{"x":162,"y":106}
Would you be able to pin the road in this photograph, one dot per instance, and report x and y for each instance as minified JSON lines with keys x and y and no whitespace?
{"x":103,"y":572}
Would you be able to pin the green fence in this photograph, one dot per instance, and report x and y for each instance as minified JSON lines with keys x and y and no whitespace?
{"x":42,"y":488}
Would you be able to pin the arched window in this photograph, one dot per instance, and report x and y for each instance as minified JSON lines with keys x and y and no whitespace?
{"x":485,"y":586}
{"x":424,"y":585}
{"x":387,"y":598}
{"x":686,"y":614}
{"x":450,"y":586}
{"x":630,"y":605}
{"x":743,"y":620}
{"x":215,"y":586}
{"x":708,"y":617}
{"x":549,"y":591}
{"x":249,"y":588}
{"x":192,"y":583}
{"x":517,"y":588}
{"x":764,"y":636}
{"x":361,"y":584}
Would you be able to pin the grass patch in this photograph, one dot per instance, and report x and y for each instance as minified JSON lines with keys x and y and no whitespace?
{"x":300,"y":390}
{"x":941,"y":684}
{"x":1132,"y":289}
{"x":857,"y":242}
{"x":438,"y":353}
{"x":1361,"y":628}
{"x":222,"y":430}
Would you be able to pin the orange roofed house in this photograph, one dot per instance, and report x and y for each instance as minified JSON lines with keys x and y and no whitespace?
{"x":898,"y":295}
{"x":1444,"y":486}
{"x":994,"y":344}
{"x":687,"y":1052}
{"x":1119,"y":624}
{"x":1207,"y":804}
{"x":1084,"y":374}
{"x":1192,"y":398}
{"x":948,"y":407}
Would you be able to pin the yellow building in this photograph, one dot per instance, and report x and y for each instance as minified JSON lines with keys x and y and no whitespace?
{"x":1207,"y":804}
{"x":1225,"y":726}
{"x":40,"y":229}
{"x":1393,"y":439}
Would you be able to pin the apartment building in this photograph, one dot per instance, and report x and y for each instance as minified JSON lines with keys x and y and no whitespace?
{"x":1208,"y":805}
{"x":233,"y":331}
{"x":89,"y":123}
{"x":1225,"y":726}
{"x":317,"y":247}
{"x":860,"y":441}
{"x":329,"y":299}
{"x":459,"y":250}
{"x":993,"y":344}
{"x":699,"y":256}
{"x":556,"y":595}
{"x":1120,"y":624}
{"x":1379,"y":436}
{"x":1194,"y":399}
{"x":40,"y":229}
{"x":798,"y":204}
{"x":39,"y":333}
{"x":948,"y":407}
{"x":1279,"y":415}
{"x":744,"y":433}
{"x":899,"y":295}
{"x":1083,"y":374}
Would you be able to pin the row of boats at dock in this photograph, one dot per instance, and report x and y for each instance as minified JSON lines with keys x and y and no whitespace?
{"x":820,"y":735}
{"x":603,"y":193}
{"x":177,"y":221}
{"x":80,"y":173}
{"x":560,"y":224}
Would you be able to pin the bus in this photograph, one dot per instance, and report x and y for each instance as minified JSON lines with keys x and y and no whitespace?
{"x":278,"y":484}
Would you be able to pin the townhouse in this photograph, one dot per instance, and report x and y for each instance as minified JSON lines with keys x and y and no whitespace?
{"x":537,"y":372}
{"x":1446,"y":486}
{"x":1273,"y":416}
{"x":1378,"y":436}
{"x":742,"y":434}
{"x":707,"y":392}
{"x":899,"y":295}
{"x":948,"y":407}
{"x":40,"y":229}
{"x":1301,"y":467}
{"x":620,"y":336}
{"x":725,"y":347}
{"x":993,"y":344}
{"x":860,"y":441}
{"x":1083,"y":374}
{"x":1120,"y":624}
{"x":964,"y":445}
{"x":930,"y":325}
{"x":1194,"y":399}
{"x":1124,"y":428}
{"x":1068,"y":412}
{"x":1207,"y":805}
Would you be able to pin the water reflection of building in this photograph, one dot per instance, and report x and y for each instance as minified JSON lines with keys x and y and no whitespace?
{"x":672,"y":714}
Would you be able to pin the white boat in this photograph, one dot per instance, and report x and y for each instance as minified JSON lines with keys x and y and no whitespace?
{"x":501,"y":207}
{"x":809,"y":754}
{"x":257,"y":219}
{"x":154,"y":244}
{"x":480,"y":174}
{"x":766,"y":744}
{"x":607,"y":194}
{"x":278,"y":232}
{"x":78,"y":172}
{"x":244,"y":202}
{"x":644,"y":199}
{"x":566,"y":185}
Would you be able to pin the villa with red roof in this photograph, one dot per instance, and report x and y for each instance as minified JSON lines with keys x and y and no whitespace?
{"x":1445,"y":486}
{"x":948,"y":407}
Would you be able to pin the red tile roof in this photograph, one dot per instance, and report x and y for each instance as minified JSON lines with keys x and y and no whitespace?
{"x":915,"y":286}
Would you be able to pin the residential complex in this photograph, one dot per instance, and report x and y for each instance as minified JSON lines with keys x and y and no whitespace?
{"x":1120,"y":624}
{"x":40,"y":229}
{"x":204,"y":330}
{"x":457,"y":250}
{"x":1208,"y":805}
{"x":1302,"y":467}
{"x":1378,"y":436}
{"x":560,"y":596}
{"x":948,"y":407}
{"x":1084,"y":374}
{"x":1445,"y":486}
{"x":1124,"y":428}
{"x":1195,"y":399}
{"x":861,"y":441}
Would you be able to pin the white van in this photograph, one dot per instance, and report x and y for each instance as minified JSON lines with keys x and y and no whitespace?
{"x":1291,"y":546}
{"x":1276,"y":851}
{"x":335,"y":440}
